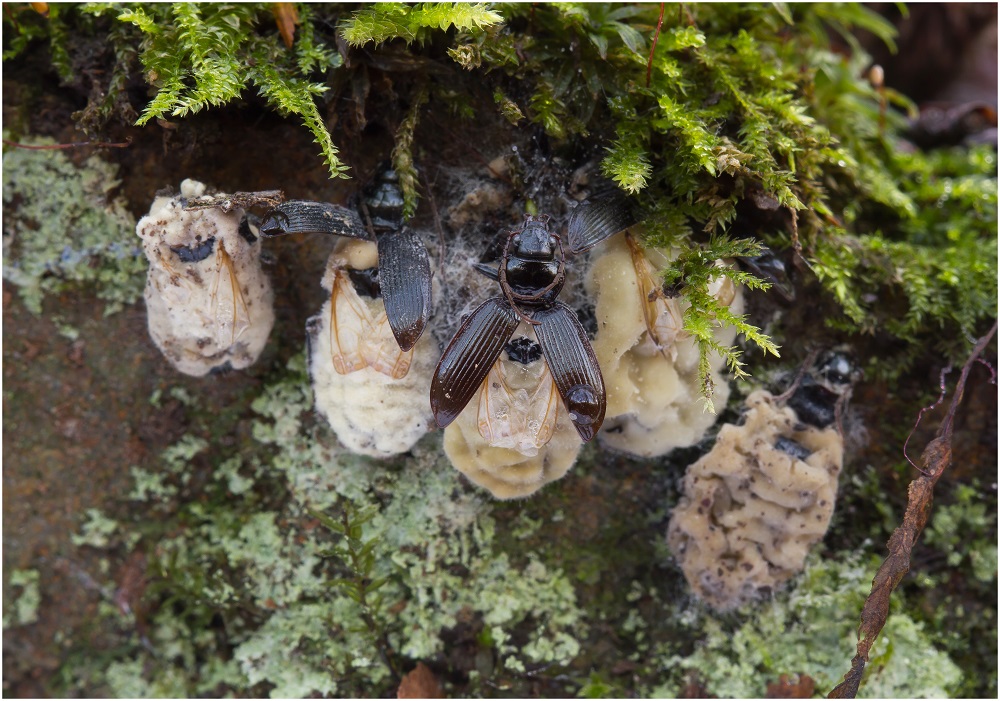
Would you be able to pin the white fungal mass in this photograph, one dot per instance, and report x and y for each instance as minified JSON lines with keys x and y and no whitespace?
{"x":209,"y":304}
{"x":755,"y":504}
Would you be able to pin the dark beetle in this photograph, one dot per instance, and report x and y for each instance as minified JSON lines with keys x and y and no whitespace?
{"x":404,"y":269}
{"x":769,"y":267}
{"x":824,"y":388}
{"x":531,"y":274}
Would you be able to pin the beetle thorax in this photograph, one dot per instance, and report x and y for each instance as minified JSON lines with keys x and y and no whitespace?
{"x":533,"y":263}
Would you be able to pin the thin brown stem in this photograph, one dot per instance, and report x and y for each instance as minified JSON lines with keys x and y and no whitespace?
{"x":652,"y":49}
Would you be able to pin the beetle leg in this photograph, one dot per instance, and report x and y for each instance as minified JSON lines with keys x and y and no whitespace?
{"x":574,"y":367}
{"x":591,"y":223}
{"x":304,"y":217}
{"x":488,"y":270}
{"x":467,"y":360}
{"x":405,"y":278}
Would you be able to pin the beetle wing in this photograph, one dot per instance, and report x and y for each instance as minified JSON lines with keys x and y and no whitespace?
{"x":591,"y":223}
{"x":574,"y":367}
{"x":305,"y":217}
{"x":232,"y":317}
{"x":522,"y":419}
{"x":467,"y":360}
{"x":404,"y":272}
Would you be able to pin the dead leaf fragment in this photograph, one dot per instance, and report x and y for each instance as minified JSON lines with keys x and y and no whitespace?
{"x":420,"y":683}
{"x":287,"y":17}
{"x":785,"y":688}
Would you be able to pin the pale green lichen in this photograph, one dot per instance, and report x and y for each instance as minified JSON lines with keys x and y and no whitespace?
{"x":812,"y":629}
{"x":22,"y":610}
{"x":150,"y":485}
{"x":62,"y":228}
{"x":436,"y":555}
{"x":428,"y":523}
{"x":229,"y":470}
{"x":284,"y":650}
{"x":96,"y":531}
{"x":277,"y":563}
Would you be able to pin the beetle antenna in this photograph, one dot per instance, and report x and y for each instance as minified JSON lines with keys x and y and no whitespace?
{"x":368,"y":219}
{"x":517,"y":310}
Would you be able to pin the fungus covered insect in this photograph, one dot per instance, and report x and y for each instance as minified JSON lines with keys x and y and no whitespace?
{"x":531,"y":275}
{"x":208,"y":302}
{"x":403,"y":275}
{"x":660,"y":309}
{"x":372,"y":393}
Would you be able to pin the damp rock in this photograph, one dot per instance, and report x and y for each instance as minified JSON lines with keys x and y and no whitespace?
{"x":755,"y":504}
{"x":372,"y":393}
{"x":654,"y":400}
{"x":208,"y":301}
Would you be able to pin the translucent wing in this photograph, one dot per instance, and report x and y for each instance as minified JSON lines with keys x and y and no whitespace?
{"x":232,"y":317}
{"x":469,"y":357}
{"x":521,"y":418}
{"x":383,"y":353}
{"x":574,"y":367}
{"x":360,"y":339}
{"x":664,"y":319}
{"x":591,"y":223}
{"x":349,"y":320}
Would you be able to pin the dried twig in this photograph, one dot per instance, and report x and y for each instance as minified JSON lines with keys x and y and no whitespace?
{"x":936,"y":458}
{"x":78,"y":144}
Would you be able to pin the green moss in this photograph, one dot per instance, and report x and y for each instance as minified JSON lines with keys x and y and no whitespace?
{"x":23,"y":25}
{"x":738,"y":102}
{"x":200,"y":56}
{"x":390,"y":20}
{"x":63,"y":229}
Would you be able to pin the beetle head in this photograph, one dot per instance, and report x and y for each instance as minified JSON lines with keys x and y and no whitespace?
{"x":837,"y":370}
{"x":534,"y":240}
